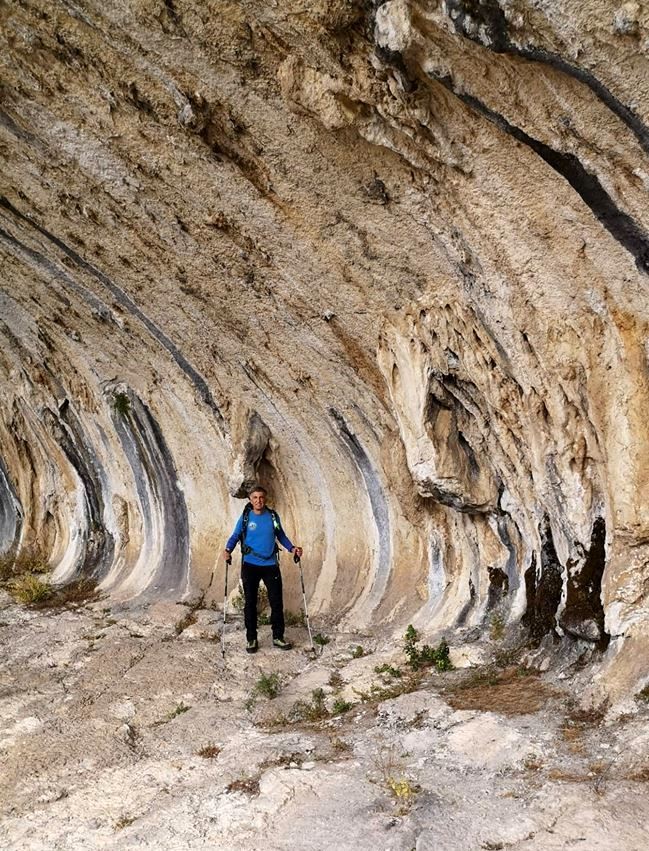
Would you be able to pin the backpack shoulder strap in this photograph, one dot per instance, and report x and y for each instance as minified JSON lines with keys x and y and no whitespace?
{"x":245,"y":517}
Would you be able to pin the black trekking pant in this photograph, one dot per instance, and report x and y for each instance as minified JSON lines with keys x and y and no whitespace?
{"x":251,"y":575}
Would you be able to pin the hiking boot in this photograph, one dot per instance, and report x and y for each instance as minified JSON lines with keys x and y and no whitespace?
{"x":283,"y":645}
{"x":252,"y":646}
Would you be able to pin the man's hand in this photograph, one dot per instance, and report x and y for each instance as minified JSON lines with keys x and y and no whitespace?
{"x":227,"y":555}
{"x":297,"y":551}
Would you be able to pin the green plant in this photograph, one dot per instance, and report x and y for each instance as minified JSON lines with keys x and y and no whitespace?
{"x":314,"y":710}
{"x":426,"y":656}
{"x":336,"y":681}
{"x":123,"y":821}
{"x":294,"y":618}
{"x":121,"y":404}
{"x":378,"y":693}
{"x":403,"y":790}
{"x":178,"y":710}
{"x":496,"y":627}
{"x":389,"y":765}
{"x":28,"y":561}
{"x":389,"y":670}
{"x":29,"y":590}
{"x":340,"y":706}
{"x":237,"y":603}
{"x":357,"y":652}
{"x":268,"y":685}
{"x":321,"y":639}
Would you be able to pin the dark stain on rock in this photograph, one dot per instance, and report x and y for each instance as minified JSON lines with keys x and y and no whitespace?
{"x":583,"y":616}
{"x":466,"y":608}
{"x":11,"y":513}
{"x":619,"y":224}
{"x":498,"y":586}
{"x":378,"y":502}
{"x":484,"y":22}
{"x":544,"y":590}
{"x":121,"y":298}
{"x":66,"y":429}
{"x":162,"y":504}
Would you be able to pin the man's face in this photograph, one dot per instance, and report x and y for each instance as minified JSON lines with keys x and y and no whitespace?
{"x":258,"y":500}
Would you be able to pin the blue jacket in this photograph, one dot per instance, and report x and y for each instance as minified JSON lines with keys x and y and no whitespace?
{"x":260,"y":537}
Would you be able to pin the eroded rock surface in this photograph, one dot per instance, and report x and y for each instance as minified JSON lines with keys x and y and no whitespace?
{"x":389,"y":258}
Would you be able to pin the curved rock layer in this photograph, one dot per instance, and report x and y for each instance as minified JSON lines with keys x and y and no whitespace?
{"x":389,"y":259}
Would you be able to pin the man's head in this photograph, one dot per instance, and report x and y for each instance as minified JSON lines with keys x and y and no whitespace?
{"x":257,"y":497}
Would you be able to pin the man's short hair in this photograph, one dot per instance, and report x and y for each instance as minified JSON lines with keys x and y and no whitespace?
{"x":258,"y":489}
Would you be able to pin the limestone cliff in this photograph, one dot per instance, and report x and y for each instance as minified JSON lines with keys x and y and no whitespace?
{"x":390,"y":259}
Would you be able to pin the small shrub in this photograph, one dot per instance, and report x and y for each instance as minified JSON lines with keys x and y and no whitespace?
{"x":237,"y":603}
{"x":267,"y":685}
{"x":294,"y":618}
{"x":389,"y":670}
{"x":178,"y":710}
{"x":321,"y":639}
{"x":426,"y":656}
{"x":379,"y":693}
{"x":336,"y":681}
{"x":402,"y":789}
{"x":314,"y":710}
{"x":340,"y":706}
{"x":358,"y":652}
{"x":209,"y":751}
{"x":29,"y":561}
{"x":29,"y":590}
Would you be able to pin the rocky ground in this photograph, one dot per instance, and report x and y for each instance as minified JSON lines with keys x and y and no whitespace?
{"x":127,"y":729}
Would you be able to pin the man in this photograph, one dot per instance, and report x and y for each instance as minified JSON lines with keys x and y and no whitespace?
{"x":256,"y":530}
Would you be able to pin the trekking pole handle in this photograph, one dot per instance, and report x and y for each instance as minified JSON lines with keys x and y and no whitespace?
{"x":296,"y":558}
{"x":228,"y":560}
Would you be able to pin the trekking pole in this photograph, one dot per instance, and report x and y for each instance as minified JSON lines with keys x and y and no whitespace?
{"x":228,"y":562}
{"x":296,"y":559}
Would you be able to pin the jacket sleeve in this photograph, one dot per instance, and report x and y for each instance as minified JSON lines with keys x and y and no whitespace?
{"x":233,"y":540}
{"x":281,"y":537}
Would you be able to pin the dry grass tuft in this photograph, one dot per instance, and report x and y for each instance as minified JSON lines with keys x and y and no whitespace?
{"x":247,"y":785}
{"x":73,"y":594}
{"x":514,"y":691}
{"x":640,"y":775}
{"x":209,"y":751}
